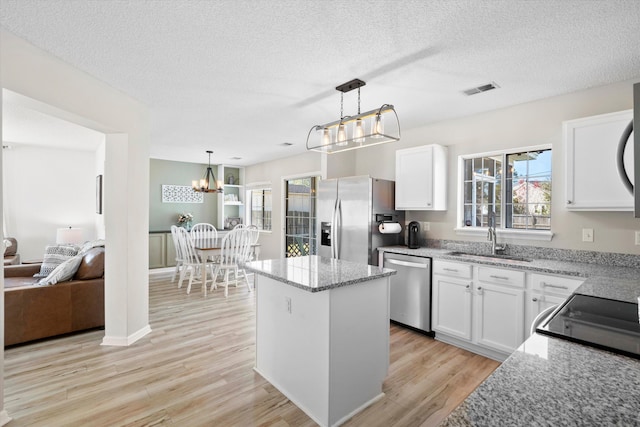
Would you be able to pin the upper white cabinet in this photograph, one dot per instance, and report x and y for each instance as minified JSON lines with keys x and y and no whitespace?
{"x":593,"y":182}
{"x":421,"y":178}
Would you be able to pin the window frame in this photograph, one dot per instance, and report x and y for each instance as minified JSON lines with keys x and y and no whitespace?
{"x":249,"y":197}
{"x":543,"y":235}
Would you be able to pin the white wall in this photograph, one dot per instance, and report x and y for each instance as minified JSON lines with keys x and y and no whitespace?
{"x":533,"y":123}
{"x":58,"y":183}
{"x":82,"y":99}
{"x":274,"y":172}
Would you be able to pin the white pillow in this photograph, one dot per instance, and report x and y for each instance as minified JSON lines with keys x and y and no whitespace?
{"x":54,"y":255}
{"x":64,"y":271}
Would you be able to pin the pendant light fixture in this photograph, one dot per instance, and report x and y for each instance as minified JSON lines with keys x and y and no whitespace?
{"x":321,"y":137}
{"x":204,"y":185}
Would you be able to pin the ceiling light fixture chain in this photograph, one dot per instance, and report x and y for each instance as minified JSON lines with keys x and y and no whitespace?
{"x":327,"y":140}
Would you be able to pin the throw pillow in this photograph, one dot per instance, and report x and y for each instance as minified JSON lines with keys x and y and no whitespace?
{"x":91,"y":244}
{"x":64,"y":271}
{"x":54,"y":255}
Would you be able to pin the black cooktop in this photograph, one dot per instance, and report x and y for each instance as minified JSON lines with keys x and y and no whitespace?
{"x":598,"y":322}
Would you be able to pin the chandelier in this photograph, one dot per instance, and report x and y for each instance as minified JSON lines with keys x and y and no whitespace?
{"x":373,"y":127}
{"x":203,"y":186}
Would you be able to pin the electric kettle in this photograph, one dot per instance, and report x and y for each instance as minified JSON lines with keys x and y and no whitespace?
{"x":414,"y":235}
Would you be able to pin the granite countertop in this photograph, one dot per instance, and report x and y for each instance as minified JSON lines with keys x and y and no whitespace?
{"x":551,"y":381}
{"x":539,"y":265}
{"x":314,"y":273}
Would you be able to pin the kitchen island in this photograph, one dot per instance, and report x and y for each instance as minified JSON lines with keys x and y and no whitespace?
{"x":322,"y":333}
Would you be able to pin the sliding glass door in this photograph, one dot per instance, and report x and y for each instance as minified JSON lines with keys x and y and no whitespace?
{"x":300,"y":216}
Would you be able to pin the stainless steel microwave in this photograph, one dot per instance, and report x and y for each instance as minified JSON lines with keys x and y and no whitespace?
{"x":631,"y":137}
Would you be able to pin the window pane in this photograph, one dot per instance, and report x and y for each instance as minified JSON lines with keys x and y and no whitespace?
{"x":527,"y":188}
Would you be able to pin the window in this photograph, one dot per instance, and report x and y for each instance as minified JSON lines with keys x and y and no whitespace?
{"x":300,"y":216}
{"x":260,"y":208}
{"x":518,"y":196}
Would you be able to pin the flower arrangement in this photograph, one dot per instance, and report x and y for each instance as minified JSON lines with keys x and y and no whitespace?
{"x":185,"y":218}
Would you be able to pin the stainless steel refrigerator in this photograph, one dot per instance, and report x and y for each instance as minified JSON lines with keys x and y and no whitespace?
{"x":349,"y":213}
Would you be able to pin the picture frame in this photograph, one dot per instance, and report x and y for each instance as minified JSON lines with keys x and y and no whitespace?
{"x":99,"y":194}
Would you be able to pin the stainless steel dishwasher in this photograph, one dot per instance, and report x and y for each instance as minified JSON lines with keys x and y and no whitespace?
{"x":410,"y":294}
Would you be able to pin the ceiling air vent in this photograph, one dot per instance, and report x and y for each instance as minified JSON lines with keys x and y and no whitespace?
{"x":480,"y":89}
{"x":236,"y":158}
{"x":286,"y":144}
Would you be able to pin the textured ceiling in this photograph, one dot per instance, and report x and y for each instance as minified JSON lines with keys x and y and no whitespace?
{"x":243,"y":77}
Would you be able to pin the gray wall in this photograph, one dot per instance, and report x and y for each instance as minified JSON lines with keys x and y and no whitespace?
{"x":163,"y":215}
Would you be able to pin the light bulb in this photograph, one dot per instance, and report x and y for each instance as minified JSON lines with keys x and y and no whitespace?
{"x":341,"y":138}
{"x":358,"y":131}
{"x":326,"y":136}
{"x":377,"y":127}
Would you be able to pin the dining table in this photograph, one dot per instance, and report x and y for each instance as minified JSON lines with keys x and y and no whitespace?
{"x":207,"y":247}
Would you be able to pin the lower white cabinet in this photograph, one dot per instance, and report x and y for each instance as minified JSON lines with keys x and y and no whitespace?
{"x":546,"y":291}
{"x":499,"y":316}
{"x":490,"y":310}
{"x":452,"y":306}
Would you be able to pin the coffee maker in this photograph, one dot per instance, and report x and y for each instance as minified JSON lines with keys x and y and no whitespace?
{"x":413,"y":238}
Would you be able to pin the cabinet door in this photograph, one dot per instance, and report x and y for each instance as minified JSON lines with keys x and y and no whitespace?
{"x":537,"y":304}
{"x":499,"y":317}
{"x":421,"y":178}
{"x":452,"y":306}
{"x":592,"y":181}
{"x":157,"y":250}
{"x":171,"y":251}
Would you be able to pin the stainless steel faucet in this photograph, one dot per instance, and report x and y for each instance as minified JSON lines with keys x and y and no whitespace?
{"x":491,"y":236}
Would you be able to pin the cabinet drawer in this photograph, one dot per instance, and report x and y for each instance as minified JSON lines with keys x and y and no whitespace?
{"x":501,"y":276}
{"x":453,"y":269}
{"x":555,"y":284}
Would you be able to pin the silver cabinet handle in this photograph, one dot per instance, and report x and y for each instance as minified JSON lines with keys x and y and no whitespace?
{"x":551,"y":285}
{"x":499,"y":277}
{"x":534,"y":299}
{"x":569,"y":202}
{"x":468,"y":286}
{"x":455,"y":270}
{"x":479,"y":288}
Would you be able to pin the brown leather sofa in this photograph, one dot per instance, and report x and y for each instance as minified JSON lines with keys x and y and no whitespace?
{"x":11,"y":255}
{"x":33,"y":312}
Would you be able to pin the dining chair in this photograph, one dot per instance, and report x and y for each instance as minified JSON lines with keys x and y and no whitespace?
{"x":191,"y":262}
{"x":179,"y":256}
{"x":203,"y":230}
{"x":233,"y":252}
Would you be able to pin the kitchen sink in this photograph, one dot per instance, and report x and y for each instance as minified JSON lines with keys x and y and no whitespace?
{"x":496,"y":257}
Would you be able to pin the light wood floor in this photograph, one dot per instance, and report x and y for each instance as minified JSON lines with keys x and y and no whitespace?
{"x":195,"y":369}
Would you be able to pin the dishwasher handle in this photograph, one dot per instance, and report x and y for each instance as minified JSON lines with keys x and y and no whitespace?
{"x":406,"y":263}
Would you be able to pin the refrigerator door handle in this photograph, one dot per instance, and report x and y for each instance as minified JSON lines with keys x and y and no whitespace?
{"x":338,"y":228}
{"x":333,"y":230}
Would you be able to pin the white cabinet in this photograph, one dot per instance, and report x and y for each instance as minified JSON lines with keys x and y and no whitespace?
{"x":452,"y":306}
{"x":592,"y":181}
{"x":546,"y":291}
{"x":421,"y":178}
{"x":483,"y":306}
{"x":499,"y":316}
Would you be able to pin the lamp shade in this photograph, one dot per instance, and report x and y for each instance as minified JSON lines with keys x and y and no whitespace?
{"x":69,"y":236}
